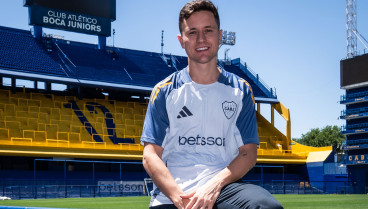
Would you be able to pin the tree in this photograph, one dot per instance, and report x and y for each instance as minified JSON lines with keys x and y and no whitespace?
{"x":327,"y":136}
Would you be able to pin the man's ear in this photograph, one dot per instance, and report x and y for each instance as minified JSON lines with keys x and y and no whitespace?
{"x":220,"y":37}
{"x":181,"y":40}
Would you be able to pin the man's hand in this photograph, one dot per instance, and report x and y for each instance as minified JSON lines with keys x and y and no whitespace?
{"x":179,"y":201}
{"x":206,"y":195}
{"x":182,"y":202}
{"x":203,"y":198}
{"x":161,"y":176}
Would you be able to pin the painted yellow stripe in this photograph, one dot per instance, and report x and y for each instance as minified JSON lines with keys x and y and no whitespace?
{"x":157,"y":86}
{"x":251,"y":91}
{"x":158,"y":90}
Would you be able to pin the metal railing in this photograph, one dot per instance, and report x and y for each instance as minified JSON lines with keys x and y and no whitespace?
{"x":300,"y":187}
{"x":254,"y":76}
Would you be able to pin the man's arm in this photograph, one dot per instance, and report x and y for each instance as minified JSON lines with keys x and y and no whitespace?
{"x":206,"y":195}
{"x":160,"y":175}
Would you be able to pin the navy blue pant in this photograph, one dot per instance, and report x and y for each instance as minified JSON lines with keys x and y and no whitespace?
{"x":240,"y":196}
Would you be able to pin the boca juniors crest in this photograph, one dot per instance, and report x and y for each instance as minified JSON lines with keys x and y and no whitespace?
{"x":229,"y":109}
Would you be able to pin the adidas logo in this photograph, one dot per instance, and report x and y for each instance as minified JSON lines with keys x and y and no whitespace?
{"x":184,"y":113}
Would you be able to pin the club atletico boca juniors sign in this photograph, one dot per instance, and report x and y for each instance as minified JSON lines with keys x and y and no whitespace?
{"x":82,"y":16}
{"x":70,"y":21}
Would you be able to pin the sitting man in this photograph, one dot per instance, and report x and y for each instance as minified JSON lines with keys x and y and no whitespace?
{"x":200,"y":132}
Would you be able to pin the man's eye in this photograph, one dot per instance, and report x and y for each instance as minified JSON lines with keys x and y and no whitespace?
{"x":192,"y":33}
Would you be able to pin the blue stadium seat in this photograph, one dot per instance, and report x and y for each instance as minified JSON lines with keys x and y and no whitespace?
{"x":20,"y":51}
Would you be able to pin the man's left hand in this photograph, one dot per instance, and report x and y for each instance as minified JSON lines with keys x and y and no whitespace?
{"x":203,"y":198}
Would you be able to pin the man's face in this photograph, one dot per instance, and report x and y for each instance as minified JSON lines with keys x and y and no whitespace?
{"x":200,"y":37}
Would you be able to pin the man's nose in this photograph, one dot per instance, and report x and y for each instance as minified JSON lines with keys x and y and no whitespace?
{"x":201,"y":37}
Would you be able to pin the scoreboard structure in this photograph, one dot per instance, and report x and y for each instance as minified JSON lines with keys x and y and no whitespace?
{"x":354,"y":79}
{"x":91,"y":17}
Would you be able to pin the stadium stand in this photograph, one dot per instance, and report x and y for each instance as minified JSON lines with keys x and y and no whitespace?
{"x":356,"y":131}
{"x":50,"y":136}
{"x":20,"y":51}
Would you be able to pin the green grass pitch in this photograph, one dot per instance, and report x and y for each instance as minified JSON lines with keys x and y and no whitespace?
{"x":288,"y":201}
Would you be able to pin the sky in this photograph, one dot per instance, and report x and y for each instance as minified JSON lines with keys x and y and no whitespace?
{"x":295,"y":46}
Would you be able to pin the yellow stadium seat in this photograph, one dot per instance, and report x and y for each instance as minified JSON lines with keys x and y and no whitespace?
{"x":4,"y":94}
{"x":91,"y":138}
{"x":139,"y":108}
{"x":14,"y":128}
{"x":139,"y":123}
{"x":21,"y":114}
{"x":58,"y":143}
{"x":137,"y":140}
{"x":128,"y":115}
{"x":37,"y":136}
{"x":64,"y":125}
{"x":139,"y":117}
{"x":43,"y":117}
{"x":118,"y":118}
{"x":13,"y":100}
{"x":76,"y":128}
{"x":262,"y":145}
{"x":130,"y":104}
{"x":4,"y":134}
{"x":129,"y":122}
{"x":66,"y":117}
{"x":32,"y":124}
{"x":68,"y":98}
{"x":41,"y":126}
{"x":120,"y":132}
{"x":51,"y":131}
{"x":22,"y":104}
{"x":106,"y":138}
{"x":46,"y":110}
{"x":40,"y":136}
{"x":109,"y":131}
{"x":58,"y":98}
{"x":138,"y":131}
{"x":74,"y":138}
{"x":2,"y":123}
{"x":33,"y":115}
{"x":119,"y":108}
{"x":34,"y":102}
{"x":10,"y":118}
{"x":100,"y":119}
{"x":128,"y":110}
{"x":58,"y":104}
{"x":130,"y":131}
{"x":23,"y":122}
{"x":55,"y":114}
{"x":9,"y":109}
{"x":34,"y":95}
{"x":2,"y":107}
{"x":33,"y":109}
{"x":63,"y":136}
{"x":22,"y":95}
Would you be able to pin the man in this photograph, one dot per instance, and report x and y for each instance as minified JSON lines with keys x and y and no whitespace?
{"x":200,"y":132}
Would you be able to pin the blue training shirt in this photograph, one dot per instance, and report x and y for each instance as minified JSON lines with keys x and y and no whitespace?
{"x":199,"y":126}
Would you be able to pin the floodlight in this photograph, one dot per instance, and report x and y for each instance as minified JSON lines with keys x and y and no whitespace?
{"x":228,"y":38}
